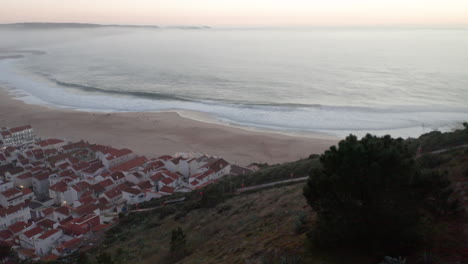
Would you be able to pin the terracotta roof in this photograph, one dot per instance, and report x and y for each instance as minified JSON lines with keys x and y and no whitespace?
{"x":157,"y":177}
{"x":47,"y":223}
{"x":145,"y":185}
{"x":26,"y":191}
{"x":167,"y":181}
{"x":33,"y":232}
{"x":113,"y":193}
{"x":18,"y":227}
{"x":165,"y":157}
{"x":20,"y":128}
{"x":63,"y":210}
{"x":118,"y":175}
{"x":87,"y":200}
{"x":49,"y":142}
{"x":194,"y":183}
{"x":106,"y":183}
{"x":25,"y":176}
{"x":167,"y":189}
{"x":49,"y":233}
{"x":12,"y":209}
{"x":42,"y":176}
{"x":131,"y":190}
{"x":126,"y":166}
{"x":16,"y":170}
{"x":60,"y":186}
{"x":5,"y":234}
{"x":85,"y":209}
{"x":11,"y":192}
{"x":69,"y":244}
{"x":48,"y":211}
{"x":216,"y":165}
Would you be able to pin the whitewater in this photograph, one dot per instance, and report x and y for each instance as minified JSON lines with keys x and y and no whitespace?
{"x":333,"y":81}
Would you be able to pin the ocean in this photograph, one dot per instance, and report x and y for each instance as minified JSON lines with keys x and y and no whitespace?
{"x":402,"y":82}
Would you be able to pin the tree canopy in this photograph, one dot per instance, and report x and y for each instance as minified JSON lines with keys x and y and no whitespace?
{"x":370,"y":192}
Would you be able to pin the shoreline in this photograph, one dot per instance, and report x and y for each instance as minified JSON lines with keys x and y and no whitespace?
{"x":167,"y":132}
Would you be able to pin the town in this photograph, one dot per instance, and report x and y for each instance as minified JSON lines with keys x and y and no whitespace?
{"x":57,"y":196}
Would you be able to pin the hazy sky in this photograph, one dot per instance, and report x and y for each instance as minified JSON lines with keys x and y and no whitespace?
{"x":238,"y":12}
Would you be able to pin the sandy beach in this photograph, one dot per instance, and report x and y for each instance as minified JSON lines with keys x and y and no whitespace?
{"x":154,"y":134}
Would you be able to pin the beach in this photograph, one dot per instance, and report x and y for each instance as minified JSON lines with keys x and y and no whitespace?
{"x":158,"y":133}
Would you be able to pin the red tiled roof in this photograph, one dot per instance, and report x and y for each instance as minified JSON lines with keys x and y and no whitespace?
{"x":48,"y":211}
{"x":85,"y":209}
{"x":46,"y":223}
{"x":15,"y":170}
{"x":165,"y":157}
{"x":131,"y":190}
{"x":69,"y":244}
{"x":20,"y":128}
{"x":87,"y":200}
{"x":118,"y":175}
{"x":60,"y":186}
{"x":18,"y":227}
{"x":26,"y":191}
{"x":167,"y":189}
{"x":5,"y":234}
{"x":32,"y":232}
{"x":42,"y":176}
{"x":194,"y":183}
{"x":113,"y":193}
{"x":63,"y":210}
{"x":49,"y":233}
{"x":126,"y":166}
{"x":25,"y":176}
{"x":157,"y":177}
{"x":216,"y":165}
{"x":145,"y":185}
{"x":48,"y":142}
{"x":11,"y":192}
{"x":167,"y":181}
{"x":106,"y":183}
{"x":12,"y":209}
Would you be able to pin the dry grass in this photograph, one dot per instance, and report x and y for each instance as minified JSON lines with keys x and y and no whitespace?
{"x":245,"y":229}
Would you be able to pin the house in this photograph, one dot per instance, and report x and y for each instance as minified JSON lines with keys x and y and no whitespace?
{"x":11,"y":174}
{"x":57,"y":192}
{"x":132,"y":195}
{"x":113,"y":196}
{"x":14,"y":196}
{"x":27,"y":238}
{"x":40,"y":183}
{"x":129,"y":165}
{"x":52,"y":143}
{"x":112,"y":157}
{"x":45,"y":242}
{"x":82,"y":225}
{"x":24,"y":180}
{"x":167,"y":190}
{"x":118,"y":177}
{"x":19,"y":227}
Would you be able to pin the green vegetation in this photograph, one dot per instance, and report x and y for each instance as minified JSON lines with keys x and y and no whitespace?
{"x":371,"y":194}
{"x":436,"y":140}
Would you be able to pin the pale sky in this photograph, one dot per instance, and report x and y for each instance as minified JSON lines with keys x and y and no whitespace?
{"x":239,"y":12}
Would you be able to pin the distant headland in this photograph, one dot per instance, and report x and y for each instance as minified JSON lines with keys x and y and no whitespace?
{"x":49,"y":25}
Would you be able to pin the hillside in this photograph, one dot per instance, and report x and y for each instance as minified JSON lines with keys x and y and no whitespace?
{"x":251,"y":227}
{"x":268,"y":225}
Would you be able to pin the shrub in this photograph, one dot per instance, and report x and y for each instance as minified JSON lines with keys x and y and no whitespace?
{"x":370,"y":191}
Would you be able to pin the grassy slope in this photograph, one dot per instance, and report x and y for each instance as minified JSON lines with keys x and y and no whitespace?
{"x":247,"y":227}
